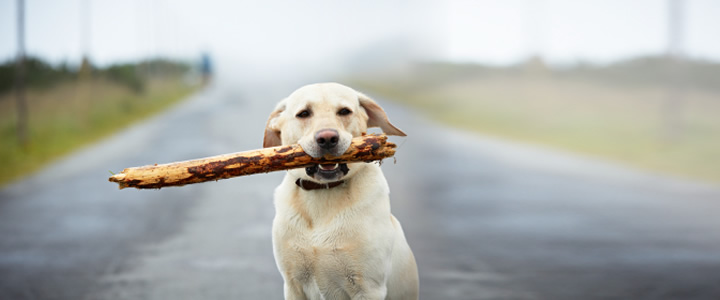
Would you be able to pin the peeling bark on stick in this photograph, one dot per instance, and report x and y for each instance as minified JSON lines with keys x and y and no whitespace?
{"x":367,"y":148}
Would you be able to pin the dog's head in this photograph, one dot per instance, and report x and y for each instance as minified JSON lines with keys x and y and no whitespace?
{"x":323,"y":118}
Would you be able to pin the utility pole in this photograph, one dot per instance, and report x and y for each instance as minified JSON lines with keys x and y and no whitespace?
{"x":675,"y":60}
{"x":534,"y":65}
{"x":85,"y":71}
{"x":21,"y":103}
{"x":676,"y":12}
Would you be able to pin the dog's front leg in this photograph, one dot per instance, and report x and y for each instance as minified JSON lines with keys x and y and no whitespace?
{"x":369,"y":290}
{"x":372,"y":294}
{"x":294,"y":291}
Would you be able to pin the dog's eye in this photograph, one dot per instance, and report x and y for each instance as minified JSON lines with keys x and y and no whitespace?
{"x":303,"y":114}
{"x":344,"y":112}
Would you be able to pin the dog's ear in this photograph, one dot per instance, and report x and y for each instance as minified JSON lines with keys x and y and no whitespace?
{"x":272,"y":129}
{"x":377,"y":116}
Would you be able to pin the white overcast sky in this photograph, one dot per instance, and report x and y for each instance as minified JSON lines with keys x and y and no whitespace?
{"x":320,"y":31}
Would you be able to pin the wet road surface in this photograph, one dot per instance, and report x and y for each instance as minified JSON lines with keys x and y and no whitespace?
{"x":487,"y":219}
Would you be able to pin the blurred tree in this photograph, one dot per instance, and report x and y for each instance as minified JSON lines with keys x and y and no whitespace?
{"x":535,"y":66}
{"x":37,"y":73}
{"x":126,"y":74}
{"x":85,"y":71}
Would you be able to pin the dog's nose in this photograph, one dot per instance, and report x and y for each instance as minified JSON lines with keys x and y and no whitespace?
{"x":327,"y":138}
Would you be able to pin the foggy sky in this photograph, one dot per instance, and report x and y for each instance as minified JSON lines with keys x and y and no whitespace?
{"x":325,"y":31}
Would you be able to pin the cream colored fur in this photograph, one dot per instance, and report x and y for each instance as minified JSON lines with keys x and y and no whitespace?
{"x":339,"y":243}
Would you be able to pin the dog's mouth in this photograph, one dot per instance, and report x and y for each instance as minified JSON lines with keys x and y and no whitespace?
{"x":327,"y":171}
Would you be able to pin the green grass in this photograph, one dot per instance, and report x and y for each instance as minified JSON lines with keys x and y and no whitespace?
{"x":72,"y":114}
{"x":622,"y":122}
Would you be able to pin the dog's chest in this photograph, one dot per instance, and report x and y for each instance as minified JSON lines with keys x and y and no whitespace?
{"x":326,"y":264}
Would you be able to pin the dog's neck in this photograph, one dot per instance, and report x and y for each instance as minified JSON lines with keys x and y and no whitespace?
{"x":310,"y":185}
{"x":367,"y":185}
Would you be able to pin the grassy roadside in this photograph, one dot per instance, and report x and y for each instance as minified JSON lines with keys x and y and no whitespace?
{"x":72,"y":114}
{"x":622,"y":122}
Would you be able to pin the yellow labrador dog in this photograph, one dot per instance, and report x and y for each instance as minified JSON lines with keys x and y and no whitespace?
{"x":333,"y":234}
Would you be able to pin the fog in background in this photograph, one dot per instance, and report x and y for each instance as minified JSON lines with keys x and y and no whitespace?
{"x":248,"y":36}
{"x":244,"y":37}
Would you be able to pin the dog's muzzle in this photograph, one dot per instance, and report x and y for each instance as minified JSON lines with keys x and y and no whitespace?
{"x":327,"y":171}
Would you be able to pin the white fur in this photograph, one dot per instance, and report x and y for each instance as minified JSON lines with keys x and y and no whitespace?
{"x":339,"y":243}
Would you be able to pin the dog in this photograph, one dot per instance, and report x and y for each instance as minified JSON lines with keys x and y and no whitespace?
{"x":333,"y":234}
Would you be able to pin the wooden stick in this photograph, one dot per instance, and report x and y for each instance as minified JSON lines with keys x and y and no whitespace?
{"x":367,"y":148}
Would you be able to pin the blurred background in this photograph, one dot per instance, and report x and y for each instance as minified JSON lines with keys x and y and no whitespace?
{"x":557,"y":149}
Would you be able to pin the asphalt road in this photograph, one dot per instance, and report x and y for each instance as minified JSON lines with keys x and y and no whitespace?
{"x":487,"y":219}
